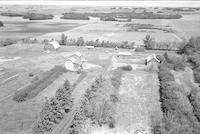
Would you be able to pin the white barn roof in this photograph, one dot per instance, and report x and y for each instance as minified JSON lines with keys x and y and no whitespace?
{"x":55,"y":44}
{"x":153,"y":56}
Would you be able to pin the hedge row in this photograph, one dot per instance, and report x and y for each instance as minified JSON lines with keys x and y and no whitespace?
{"x":83,"y":113}
{"x":97,"y":104}
{"x":177,"y":109}
{"x":175,"y":62}
{"x":54,"y":110}
{"x":39,"y":84}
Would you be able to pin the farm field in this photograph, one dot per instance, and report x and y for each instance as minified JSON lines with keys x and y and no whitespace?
{"x":16,"y":28}
{"x":19,"y":117}
{"x":114,"y":31}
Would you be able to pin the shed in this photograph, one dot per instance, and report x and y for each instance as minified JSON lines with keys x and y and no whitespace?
{"x":52,"y":45}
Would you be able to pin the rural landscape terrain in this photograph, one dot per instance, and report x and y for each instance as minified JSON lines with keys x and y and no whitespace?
{"x":99,"y":70}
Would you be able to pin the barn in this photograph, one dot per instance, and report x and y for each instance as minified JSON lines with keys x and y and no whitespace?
{"x":51,"y":46}
{"x":74,"y":62}
{"x":152,"y":62}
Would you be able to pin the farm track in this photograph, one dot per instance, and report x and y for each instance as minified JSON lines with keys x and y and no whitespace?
{"x":13,"y":77}
{"x":77,"y":95}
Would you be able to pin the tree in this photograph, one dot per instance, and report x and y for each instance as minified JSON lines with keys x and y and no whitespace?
{"x":148,"y":42}
{"x":63,"y":40}
{"x":1,"y":24}
{"x":80,"y":41}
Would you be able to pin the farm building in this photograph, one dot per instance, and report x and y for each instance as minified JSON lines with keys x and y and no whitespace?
{"x":124,"y":54}
{"x":52,"y":45}
{"x":152,"y":62}
{"x":75,"y":62}
{"x":89,"y":47}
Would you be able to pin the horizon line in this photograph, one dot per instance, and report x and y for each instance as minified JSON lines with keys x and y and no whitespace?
{"x":146,"y":3}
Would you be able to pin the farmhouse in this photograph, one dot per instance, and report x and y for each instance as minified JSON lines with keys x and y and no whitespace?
{"x":152,"y":62}
{"x":75,"y":62}
{"x":52,"y":45}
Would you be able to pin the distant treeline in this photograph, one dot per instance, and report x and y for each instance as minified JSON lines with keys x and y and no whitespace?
{"x":75,"y":16}
{"x":36,"y":16}
{"x":128,"y":15}
{"x":30,"y":16}
{"x":137,"y":26}
{"x":182,"y":9}
{"x":12,"y":14}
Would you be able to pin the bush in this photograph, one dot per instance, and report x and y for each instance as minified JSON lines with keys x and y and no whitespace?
{"x":6,"y":42}
{"x":194,"y":99}
{"x":116,"y":78}
{"x":30,"y":74}
{"x":196,"y":73}
{"x":177,"y":61}
{"x":164,"y":74}
{"x":126,"y":68}
{"x":192,"y":46}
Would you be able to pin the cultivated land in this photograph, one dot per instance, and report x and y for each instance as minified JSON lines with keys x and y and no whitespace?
{"x":135,"y":93}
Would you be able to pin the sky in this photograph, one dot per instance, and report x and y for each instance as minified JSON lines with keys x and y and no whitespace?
{"x":143,"y":3}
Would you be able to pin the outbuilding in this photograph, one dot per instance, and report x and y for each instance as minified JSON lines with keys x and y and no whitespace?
{"x":124,"y":54}
{"x":89,"y":47}
{"x":74,"y":62}
{"x":51,"y":46}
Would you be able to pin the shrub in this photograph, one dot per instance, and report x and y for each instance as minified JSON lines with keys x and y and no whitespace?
{"x":116,"y":78}
{"x":164,"y":74}
{"x":196,"y":73}
{"x":126,"y":68}
{"x":194,"y":99}
{"x":192,"y":46}
{"x":177,"y":61}
{"x":6,"y":42}
{"x":30,"y":74}
{"x":194,"y":60}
